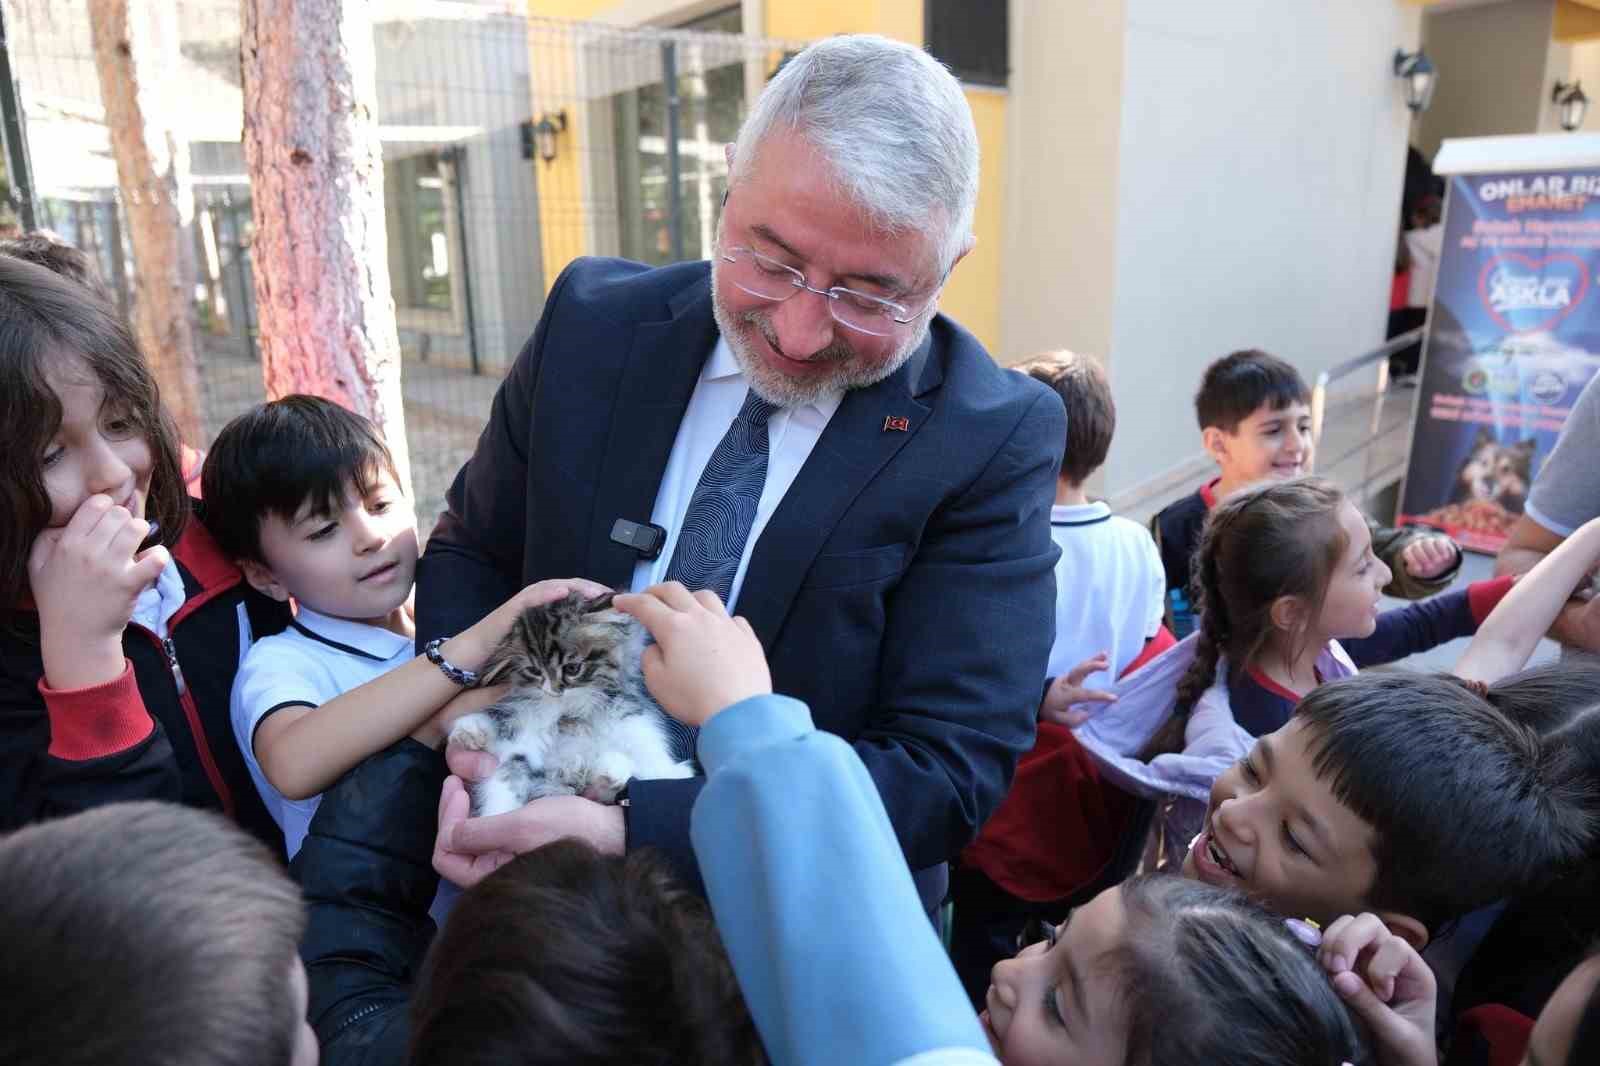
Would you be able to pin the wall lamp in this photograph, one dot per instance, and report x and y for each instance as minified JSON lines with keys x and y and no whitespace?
{"x":540,"y":137}
{"x":1416,"y":70}
{"x":1573,"y":105}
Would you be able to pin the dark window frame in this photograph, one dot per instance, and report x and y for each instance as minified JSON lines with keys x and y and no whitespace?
{"x":971,"y":37}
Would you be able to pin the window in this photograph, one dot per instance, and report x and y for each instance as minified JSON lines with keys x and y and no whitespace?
{"x":971,"y":38}
{"x":416,"y":209}
{"x":710,"y":108}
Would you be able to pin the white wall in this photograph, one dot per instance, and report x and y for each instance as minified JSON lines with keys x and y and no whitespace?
{"x":1262,"y":152}
{"x":1063,"y":138}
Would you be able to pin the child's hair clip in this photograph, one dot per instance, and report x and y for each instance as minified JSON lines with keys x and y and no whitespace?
{"x":1305,"y":930}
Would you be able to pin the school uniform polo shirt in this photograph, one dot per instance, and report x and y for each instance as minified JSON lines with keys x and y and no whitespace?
{"x":1110,"y":589}
{"x":316,"y":659}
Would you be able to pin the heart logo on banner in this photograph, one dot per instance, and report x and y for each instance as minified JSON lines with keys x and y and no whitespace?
{"x":1524,"y":294}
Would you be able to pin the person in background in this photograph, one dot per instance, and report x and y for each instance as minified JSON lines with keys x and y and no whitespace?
{"x":1564,"y":496}
{"x":1255,"y":422}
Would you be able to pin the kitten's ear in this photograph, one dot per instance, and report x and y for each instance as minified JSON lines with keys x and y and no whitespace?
{"x":599,"y":609}
{"x":599,"y":603}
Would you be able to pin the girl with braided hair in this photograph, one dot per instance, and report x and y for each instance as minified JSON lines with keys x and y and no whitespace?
{"x":1288,"y":591}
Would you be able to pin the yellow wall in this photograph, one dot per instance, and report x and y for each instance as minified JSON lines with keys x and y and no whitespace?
{"x":569,"y":9}
{"x":973,"y":294}
{"x":806,"y":20}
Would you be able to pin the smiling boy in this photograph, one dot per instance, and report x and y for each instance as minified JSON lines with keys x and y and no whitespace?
{"x":1254,"y":411}
{"x":1404,"y":795}
{"x":309,"y":503}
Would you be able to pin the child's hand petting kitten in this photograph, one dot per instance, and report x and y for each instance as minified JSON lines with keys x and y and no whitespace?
{"x":702,"y":661}
{"x":482,"y":639}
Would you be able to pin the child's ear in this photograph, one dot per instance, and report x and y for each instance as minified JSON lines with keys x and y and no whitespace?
{"x":262,"y":580}
{"x":1289,"y":614}
{"x":1406,"y":928}
{"x":1215,"y":443}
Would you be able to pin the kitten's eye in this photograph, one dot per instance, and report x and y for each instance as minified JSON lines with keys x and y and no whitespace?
{"x":571,"y":671}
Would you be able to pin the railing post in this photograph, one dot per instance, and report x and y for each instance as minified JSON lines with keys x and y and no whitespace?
{"x":669,"y":85}
{"x":12,"y":124}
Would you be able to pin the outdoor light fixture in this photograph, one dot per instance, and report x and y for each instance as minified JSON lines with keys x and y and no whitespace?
{"x":544,"y":133}
{"x":1568,"y":96}
{"x":1416,"y":70}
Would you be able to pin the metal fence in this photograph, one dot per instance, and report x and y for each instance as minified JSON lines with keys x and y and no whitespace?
{"x":511,"y":145}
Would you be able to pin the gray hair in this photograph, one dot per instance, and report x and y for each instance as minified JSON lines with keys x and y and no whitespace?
{"x":892,"y":121}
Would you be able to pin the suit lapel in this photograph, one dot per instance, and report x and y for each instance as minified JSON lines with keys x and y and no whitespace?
{"x":854,"y":447}
{"x":652,"y":396}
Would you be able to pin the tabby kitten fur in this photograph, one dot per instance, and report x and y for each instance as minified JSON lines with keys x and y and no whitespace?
{"x":577,"y":720}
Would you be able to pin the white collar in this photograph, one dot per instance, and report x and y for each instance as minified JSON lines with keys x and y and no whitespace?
{"x":722,"y":366}
{"x":351,"y":637}
{"x":1079,"y":514}
{"x":157,"y":603}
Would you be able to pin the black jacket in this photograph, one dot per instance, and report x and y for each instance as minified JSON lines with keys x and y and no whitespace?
{"x":366,"y":870}
{"x":139,"y":737}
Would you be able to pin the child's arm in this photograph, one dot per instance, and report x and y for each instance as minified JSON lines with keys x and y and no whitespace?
{"x":302,"y":750}
{"x":809,"y":886}
{"x":1423,"y":562}
{"x":74,"y":729}
{"x":85,"y":579}
{"x":1512,"y":630}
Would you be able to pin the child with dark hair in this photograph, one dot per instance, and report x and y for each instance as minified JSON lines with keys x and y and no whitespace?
{"x":1382,"y":791}
{"x":1255,"y":422}
{"x":123,"y":620}
{"x":148,"y":932}
{"x":308,"y":502}
{"x":587,"y":958}
{"x":68,"y":261}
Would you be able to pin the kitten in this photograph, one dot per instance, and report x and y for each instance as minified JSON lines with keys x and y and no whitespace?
{"x":577,"y":720}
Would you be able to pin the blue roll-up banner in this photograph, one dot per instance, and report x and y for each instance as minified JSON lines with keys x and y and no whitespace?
{"x":1513,"y":336}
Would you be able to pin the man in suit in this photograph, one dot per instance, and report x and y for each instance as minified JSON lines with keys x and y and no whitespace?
{"x":844,"y":466}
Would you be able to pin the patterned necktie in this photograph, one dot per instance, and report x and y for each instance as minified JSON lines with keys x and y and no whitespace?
{"x":717,"y":523}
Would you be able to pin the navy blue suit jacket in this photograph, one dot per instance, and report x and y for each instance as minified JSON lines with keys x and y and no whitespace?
{"x":903,"y":588}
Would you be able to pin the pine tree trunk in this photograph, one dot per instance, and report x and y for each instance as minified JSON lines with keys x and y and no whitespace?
{"x":135,"y":53}
{"x":320,"y":252}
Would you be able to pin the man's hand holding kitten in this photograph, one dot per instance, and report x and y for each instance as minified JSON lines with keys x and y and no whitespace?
{"x":703,"y":661}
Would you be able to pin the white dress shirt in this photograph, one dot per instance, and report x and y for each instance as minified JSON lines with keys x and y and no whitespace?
{"x":718,"y":395}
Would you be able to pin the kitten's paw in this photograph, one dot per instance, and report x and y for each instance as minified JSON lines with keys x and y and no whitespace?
{"x":611,"y":771}
{"x":473,"y":732}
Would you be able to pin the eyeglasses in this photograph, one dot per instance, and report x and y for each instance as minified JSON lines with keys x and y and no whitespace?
{"x":1035,"y":930}
{"x":767,"y":279}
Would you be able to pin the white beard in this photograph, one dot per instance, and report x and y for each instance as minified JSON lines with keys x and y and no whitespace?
{"x":776,"y":387}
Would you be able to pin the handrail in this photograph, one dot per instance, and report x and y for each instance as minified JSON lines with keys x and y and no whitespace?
{"x":1375,"y":432}
{"x":1319,"y":391}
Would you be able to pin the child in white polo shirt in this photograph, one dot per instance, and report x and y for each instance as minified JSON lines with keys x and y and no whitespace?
{"x":1056,"y":826}
{"x":305,"y":496}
